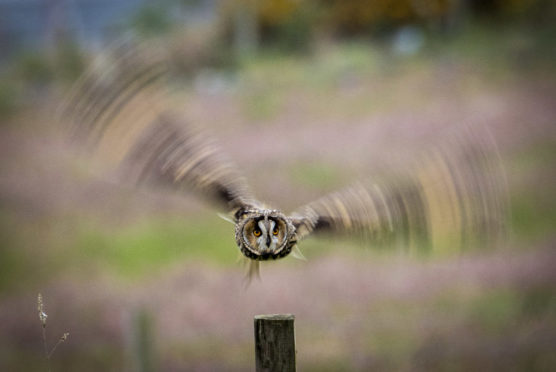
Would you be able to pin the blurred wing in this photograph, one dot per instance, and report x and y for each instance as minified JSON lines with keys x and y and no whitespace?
{"x":122,"y":111}
{"x":454,"y":198}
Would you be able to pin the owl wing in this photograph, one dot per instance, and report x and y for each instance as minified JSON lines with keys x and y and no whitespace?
{"x":454,"y":198}
{"x":122,"y":111}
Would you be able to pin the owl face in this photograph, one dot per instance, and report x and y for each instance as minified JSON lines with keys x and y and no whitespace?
{"x":264,"y":234}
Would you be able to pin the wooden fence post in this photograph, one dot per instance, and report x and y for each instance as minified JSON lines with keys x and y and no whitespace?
{"x":142,"y":341}
{"x":274,"y":343}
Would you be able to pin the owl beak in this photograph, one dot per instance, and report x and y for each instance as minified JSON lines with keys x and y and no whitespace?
{"x":268,"y":241}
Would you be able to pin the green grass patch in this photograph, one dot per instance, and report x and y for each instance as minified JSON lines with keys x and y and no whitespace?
{"x":495,"y":311}
{"x":209,"y":349}
{"x":533,"y":210}
{"x":138,"y":249}
{"x":271,"y":79}
{"x":316,"y":175}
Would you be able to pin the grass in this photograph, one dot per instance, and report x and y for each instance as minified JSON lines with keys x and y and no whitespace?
{"x":271,"y":81}
{"x":317,"y":175}
{"x":130,"y":252}
{"x":533,"y":208}
{"x":202,"y":351}
{"x":148,"y":246}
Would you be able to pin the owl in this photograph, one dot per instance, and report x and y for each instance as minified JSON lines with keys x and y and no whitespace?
{"x":123,"y":111}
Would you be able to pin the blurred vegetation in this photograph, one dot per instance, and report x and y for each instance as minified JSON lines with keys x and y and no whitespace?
{"x":497,"y":44}
{"x":8,"y":98}
{"x":29,"y":77}
{"x":151,"y":21}
{"x":269,"y":80}
{"x":132,"y":251}
{"x":288,"y":26}
{"x":142,"y":248}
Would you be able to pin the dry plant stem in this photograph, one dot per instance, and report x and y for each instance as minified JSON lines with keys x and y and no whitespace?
{"x":54,"y":348}
{"x":46,"y":354}
{"x":42,"y":317}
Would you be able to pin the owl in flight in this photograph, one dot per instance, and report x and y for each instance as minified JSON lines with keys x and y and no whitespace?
{"x":121,"y":108}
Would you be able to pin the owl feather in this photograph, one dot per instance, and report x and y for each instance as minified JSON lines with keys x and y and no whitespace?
{"x":121,"y":109}
{"x":454,"y":196}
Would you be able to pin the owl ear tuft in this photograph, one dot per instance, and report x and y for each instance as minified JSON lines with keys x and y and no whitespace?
{"x":241,"y":211}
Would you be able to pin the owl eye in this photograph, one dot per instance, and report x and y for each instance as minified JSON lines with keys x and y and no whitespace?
{"x":257,"y":232}
{"x":275,"y":231}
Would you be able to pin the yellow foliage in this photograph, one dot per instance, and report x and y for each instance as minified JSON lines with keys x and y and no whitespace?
{"x":274,"y":12}
{"x":517,"y":6}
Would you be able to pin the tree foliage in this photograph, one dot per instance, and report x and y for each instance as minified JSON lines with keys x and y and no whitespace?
{"x":363,"y":16}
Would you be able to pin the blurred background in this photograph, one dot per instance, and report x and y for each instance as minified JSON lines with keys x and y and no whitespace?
{"x":338,"y":89}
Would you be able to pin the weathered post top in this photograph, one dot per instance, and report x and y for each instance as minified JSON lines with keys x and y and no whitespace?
{"x":275,"y":343}
{"x":279,"y":317}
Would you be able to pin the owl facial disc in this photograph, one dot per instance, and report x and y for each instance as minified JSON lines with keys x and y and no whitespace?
{"x":264,"y":234}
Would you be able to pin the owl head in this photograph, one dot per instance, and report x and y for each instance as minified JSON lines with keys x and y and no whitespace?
{"x":264,"y":234}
